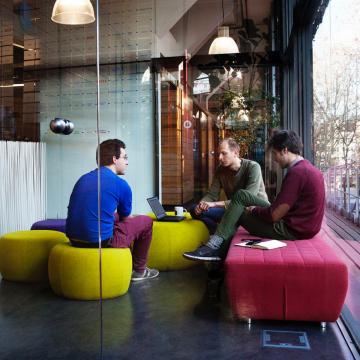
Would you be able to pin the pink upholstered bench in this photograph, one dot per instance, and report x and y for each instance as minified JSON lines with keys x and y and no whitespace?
{"x":303,"y":281}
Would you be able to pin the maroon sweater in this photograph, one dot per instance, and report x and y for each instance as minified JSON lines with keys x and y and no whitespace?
{"x":303,"y":190}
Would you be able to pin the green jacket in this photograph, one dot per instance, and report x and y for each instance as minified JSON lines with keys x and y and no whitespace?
{"x":248,"y":177}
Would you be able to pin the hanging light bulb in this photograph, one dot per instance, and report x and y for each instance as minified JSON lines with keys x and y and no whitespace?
{"x":223,"y":44}
{"x":73,"y":12}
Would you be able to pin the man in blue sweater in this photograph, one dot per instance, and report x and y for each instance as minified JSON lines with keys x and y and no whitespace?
{"x":116,"y":228}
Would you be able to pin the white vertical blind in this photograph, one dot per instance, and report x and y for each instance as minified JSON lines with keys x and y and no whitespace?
{"x":23,"y":184}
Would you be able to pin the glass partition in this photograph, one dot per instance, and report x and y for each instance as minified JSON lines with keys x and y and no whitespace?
{"x":160,"y":92}
{"x":49,"y":71}
{"x":201,"y":102}
{"x":336,"y":133}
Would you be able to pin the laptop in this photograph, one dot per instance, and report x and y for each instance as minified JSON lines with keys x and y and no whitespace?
{"x":159,"y":211}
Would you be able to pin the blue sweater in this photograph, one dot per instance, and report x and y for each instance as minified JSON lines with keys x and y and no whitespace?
{"x":82,"y":219}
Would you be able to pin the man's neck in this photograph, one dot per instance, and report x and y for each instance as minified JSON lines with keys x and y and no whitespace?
{"x":293,"y":159}
{"x":236,"y":165}
{"x":112,"y":168}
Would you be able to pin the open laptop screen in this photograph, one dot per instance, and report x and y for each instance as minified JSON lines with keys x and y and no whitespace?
{"x":156,"y":207}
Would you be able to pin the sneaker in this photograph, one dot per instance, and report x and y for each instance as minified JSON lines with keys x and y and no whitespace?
{"x":147,"y":274}
{"x":204,"y":253}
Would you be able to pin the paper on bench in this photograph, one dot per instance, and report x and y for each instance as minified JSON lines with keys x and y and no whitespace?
{"x":264,"y":245}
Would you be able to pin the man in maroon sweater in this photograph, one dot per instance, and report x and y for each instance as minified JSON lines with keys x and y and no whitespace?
{"x":296,"y":213}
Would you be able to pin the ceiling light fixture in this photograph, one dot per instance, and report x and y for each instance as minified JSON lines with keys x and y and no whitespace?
{"x":146,"y":76}
{"x":73,"y":12}
{"x":223,"y":44}
{"x":12,"y":85}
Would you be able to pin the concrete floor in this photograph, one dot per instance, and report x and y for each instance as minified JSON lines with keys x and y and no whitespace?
{"x":165,"y":318}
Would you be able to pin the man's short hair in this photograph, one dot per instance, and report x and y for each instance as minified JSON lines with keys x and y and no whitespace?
{"x":109,"y":149}
{"x":233,"y":145}
{"x":286,"y":139}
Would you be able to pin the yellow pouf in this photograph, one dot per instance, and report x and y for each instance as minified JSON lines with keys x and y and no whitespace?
{"x":74,"y":273}
{"x":171,"y":239}
{"x":24,"y":254}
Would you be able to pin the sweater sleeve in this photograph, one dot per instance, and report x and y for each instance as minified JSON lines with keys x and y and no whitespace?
{"x":289,"y":193}
{"x":254,"y":178}
{"x":125,"y":204}
{"x":214,"y":191}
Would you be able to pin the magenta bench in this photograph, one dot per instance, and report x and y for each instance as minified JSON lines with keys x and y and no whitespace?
{"x":303,"y":281}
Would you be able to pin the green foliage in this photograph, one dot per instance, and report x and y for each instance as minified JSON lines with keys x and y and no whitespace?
{"x":244,"y":114}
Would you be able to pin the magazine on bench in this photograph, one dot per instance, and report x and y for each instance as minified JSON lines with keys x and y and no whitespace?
{"x":259,"y":244}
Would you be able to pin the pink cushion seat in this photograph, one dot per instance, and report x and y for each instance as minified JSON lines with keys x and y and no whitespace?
{"x":303,"y":281}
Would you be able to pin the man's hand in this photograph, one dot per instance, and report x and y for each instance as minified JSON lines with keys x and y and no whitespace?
{"x":250,"y":208}
{"x":204,"y":206}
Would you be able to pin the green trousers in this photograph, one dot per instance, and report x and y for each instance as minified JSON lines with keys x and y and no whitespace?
{"x":236,"y":215}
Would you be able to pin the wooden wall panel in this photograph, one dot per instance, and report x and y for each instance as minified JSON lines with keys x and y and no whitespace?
{"x":171,"y":174}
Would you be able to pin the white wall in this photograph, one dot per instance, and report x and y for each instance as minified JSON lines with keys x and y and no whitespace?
{"x":22,"y":190}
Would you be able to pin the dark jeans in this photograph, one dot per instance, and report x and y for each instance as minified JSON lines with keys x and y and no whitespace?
{"x":210,"y":218}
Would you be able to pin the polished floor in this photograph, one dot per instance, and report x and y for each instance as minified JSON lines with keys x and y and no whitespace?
{"x":171,"y":317}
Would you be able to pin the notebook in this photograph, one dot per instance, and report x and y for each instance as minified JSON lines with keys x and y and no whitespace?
{"x":265,"y":245}
{"x":160,"y":213}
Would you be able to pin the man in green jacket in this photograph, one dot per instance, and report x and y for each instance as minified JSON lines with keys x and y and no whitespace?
{"x":233,"y":174}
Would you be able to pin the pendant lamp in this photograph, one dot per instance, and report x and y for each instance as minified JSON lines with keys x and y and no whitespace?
{"x":73,"y":12}
{"x":223,"y":44}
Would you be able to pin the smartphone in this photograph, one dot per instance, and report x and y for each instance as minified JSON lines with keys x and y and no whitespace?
{"x":253,"y":242}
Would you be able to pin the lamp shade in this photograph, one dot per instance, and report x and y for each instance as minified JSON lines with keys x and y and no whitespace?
{"x":146,"y":76}
{"x":223,"y":44}
{"x":73,"y":12}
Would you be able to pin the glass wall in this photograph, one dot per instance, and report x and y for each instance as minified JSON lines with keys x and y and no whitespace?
{"x":203,"y":98}
{"x":49,"y":71}
{"x":160,"y":92}
{"x":337,"y":129}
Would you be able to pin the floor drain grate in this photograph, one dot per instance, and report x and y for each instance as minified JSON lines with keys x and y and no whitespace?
{"x":285,"y":339}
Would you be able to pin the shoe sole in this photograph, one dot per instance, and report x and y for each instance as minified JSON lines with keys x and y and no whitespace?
{"x":202,"y":258}
{"x":145,"y":278}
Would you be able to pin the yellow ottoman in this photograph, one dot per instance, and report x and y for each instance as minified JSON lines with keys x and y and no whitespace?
{"x":74,"y":272}
{"x":24,"y":254}
{"x":171,"y":239}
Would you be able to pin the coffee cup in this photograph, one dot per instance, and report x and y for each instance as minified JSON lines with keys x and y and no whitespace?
{"x":179,"y":211}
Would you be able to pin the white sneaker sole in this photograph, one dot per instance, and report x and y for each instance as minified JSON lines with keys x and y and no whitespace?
{"x":202,"y":258}
{"x":145,"y":278}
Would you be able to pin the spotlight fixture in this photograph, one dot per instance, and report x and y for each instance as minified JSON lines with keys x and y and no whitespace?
{"x":73,"y":12}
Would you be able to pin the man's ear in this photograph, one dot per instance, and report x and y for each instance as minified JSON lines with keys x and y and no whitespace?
{"x":114,"y":159}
